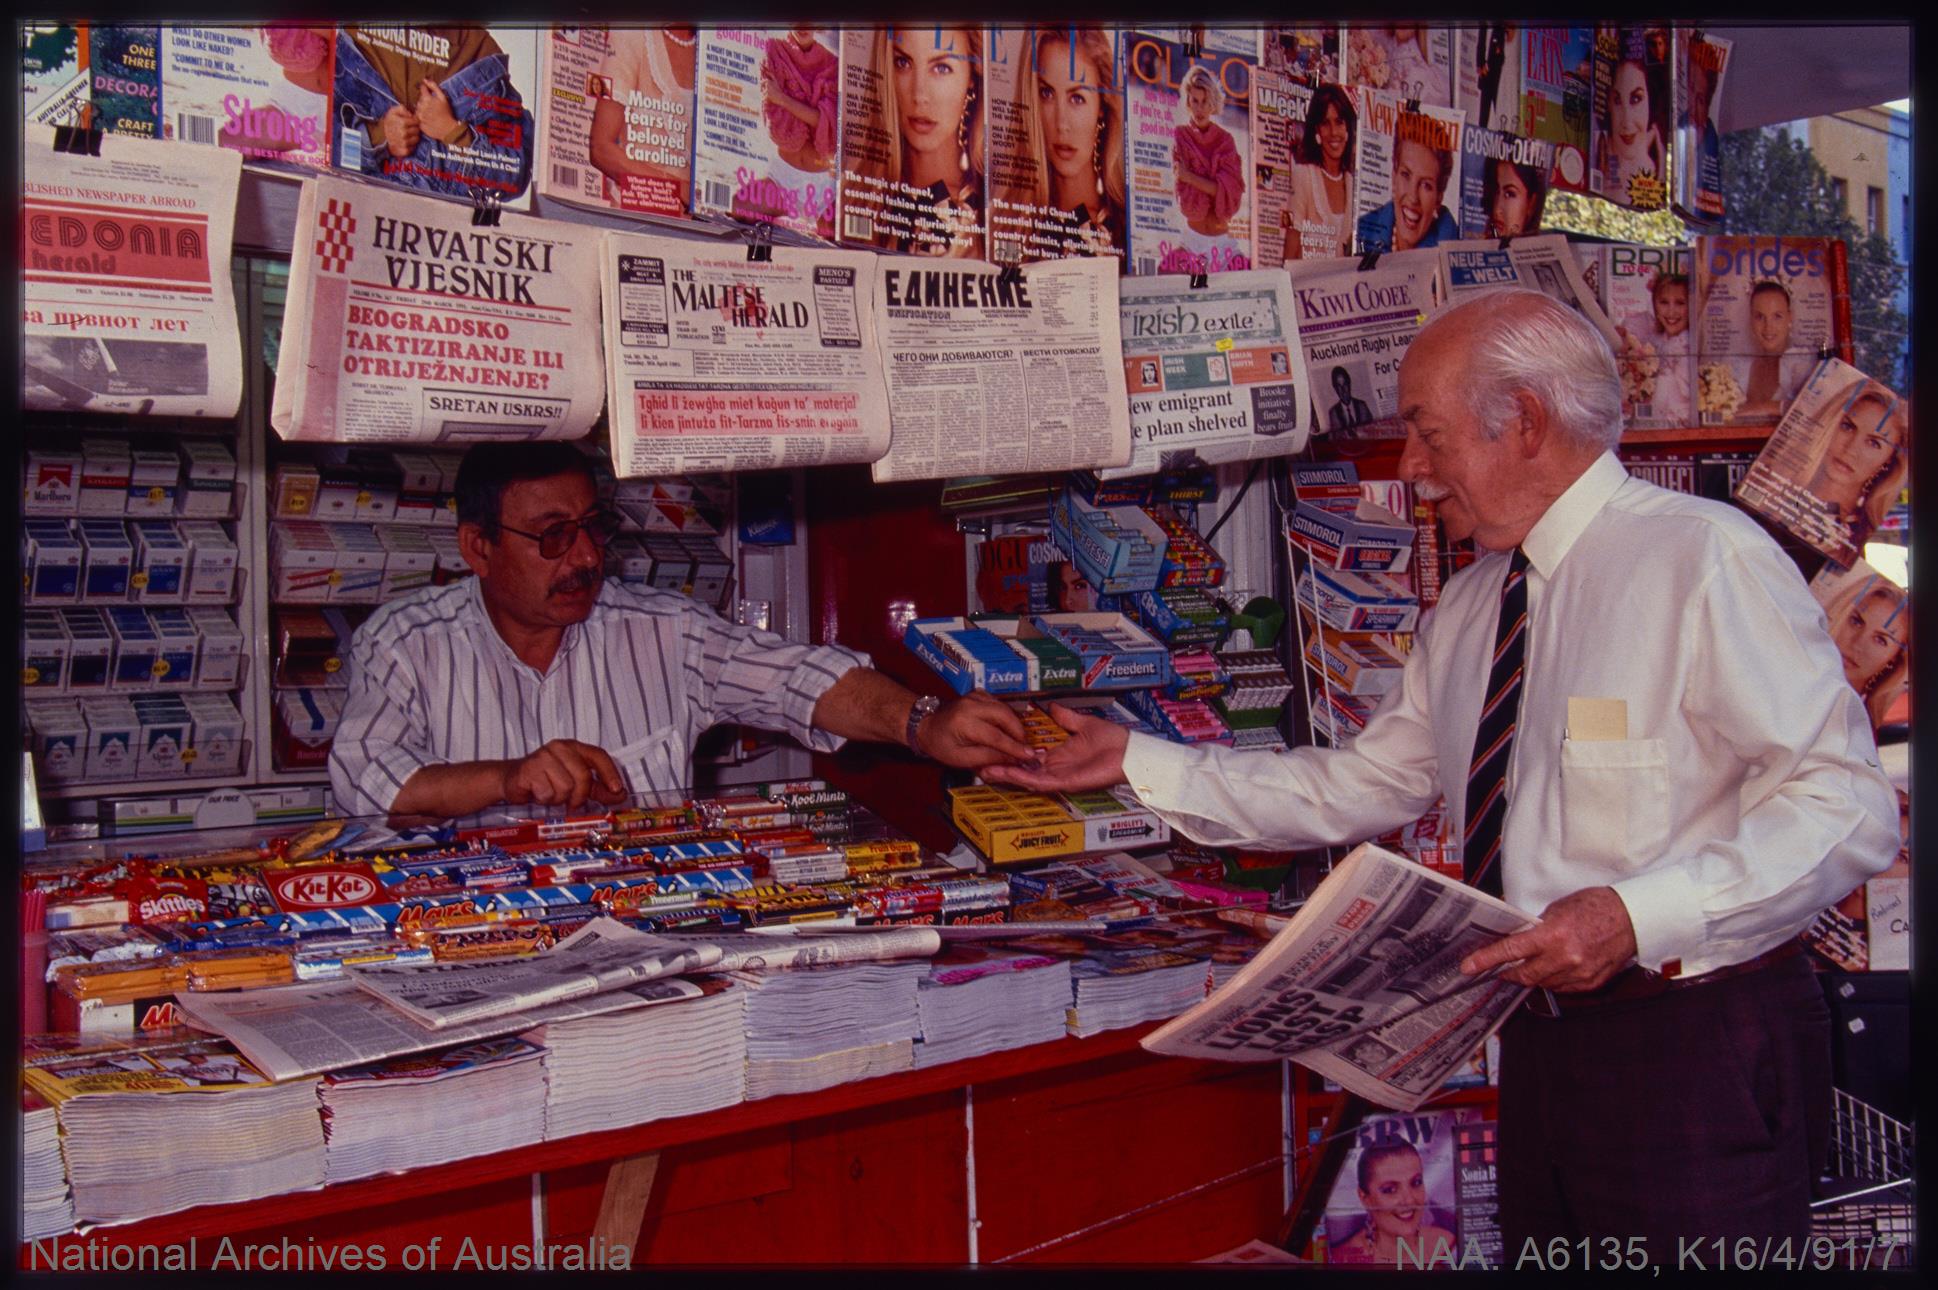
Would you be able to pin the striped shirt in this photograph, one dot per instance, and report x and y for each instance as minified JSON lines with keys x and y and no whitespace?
{"x":432,"y":682}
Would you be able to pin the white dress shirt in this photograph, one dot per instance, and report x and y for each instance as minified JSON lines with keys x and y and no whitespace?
{"x":1746,"y":798}
{"x":432,"y":682}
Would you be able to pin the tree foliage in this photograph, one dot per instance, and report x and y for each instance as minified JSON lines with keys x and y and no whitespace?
{"x":1774,"y":186}
{"x":1580,"y":213}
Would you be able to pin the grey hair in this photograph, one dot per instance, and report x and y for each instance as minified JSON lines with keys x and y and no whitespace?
{"x":1214,"y":92}
{"x":1527,"y":341}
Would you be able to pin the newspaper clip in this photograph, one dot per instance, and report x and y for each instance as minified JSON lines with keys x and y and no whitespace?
{"x":1411,"y":106}
{"x":1824,"y":351}
{"x":760,"y":243}
{"x":1010,"y":275}
{"x":79,"y":138}
{"x":485,"y":209}
{"x":1506,"y":241}
{"x":1367,"y":261}
{"x":1199,"y":281}
{"x":1194,"y":41}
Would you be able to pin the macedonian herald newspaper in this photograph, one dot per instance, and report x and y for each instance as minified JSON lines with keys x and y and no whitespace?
{"x":128,"y":304}
{"x":721,"y":362}
{"x":409,"y":323}
{"x":1364,"y":985}
{"x":1000,"y":373}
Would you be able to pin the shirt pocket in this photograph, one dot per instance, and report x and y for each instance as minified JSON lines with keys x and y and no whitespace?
{"x":653,"y":764}
{"x":1614,"y":801}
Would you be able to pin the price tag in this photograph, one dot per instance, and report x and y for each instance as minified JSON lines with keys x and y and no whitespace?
{"x":156,"y":493}
{"x":160,"y":668}
{"x":188,"y":755}
{"x":30,"y":676}
{"x":363,"y":498}
{"x":332,"y":664}
{"x":336,"y":577}
{"x":138,"y":581}
{"x":1224,"y":344}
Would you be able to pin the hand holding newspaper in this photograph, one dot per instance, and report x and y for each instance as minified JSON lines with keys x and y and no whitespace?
{"x":606,"y":955}
{"x":1364,"y":984}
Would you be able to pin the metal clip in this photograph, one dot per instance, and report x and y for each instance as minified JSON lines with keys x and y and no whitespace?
{"x":760,"y":243}
{"x":485,"y":209}
{"x":1199,"y":281}
{"x":1411,"y":105}
{"x":1367,"y":261}
{"x":1011,"y":275}
{"x":1194,"y":41}
{"x":78,"y":138}
{"x":1505,"y":242}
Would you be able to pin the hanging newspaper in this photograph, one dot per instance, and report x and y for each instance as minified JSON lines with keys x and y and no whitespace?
{"x":1056,"y":143}
{"x":1190,"y":150}
{"x":1544,"y":263}
{"x":1504,"y":181}
{"x":914,"y":106}
{"x":1769,"y":308}
{"x":1355,"y":326}
{"x":1645,"y":292}
{"x":995,"y":373}
{"x":1487,"y":75}
{"x":408,"y":323}
{"x":262,"y":90}
{"x":1214,"y":374}
{"x":1835,"y":464}
{"x":1701,"y":60}
{"x":722,"y":363}
{"x":53,"y":72}
{"x":607,"y":955}
{"x":1364,"y":985}
{"x":1413,"y":63}
{"x":617,"y":129}
{"x":1408,"y":174}
{"x":1628,"y":162}
{"x":769,"y":140}
{"x":128,"y":302}
{"x":441,"y":109}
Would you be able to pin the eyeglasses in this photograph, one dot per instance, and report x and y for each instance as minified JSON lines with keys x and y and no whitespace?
{"x":557,"y":539}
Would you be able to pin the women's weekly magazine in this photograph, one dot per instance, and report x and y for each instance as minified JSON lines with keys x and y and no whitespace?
{"x":914,"y":139}
{"x":769,"y":142}
{"x":263,"y":90}
{"x":617,"y":130}
{"x":1056,"y":143}
{"x":1190,"y":150}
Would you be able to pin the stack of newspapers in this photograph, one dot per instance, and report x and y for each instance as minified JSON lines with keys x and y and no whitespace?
{"x":46,"y":1206}
{"x":213,"y":1129}
{"x":985,"y":998}
{"x":425,"y":1109}
{"x":809,"y":1028}
{"x":1122,"y":978}
{"x":648,"y":1062}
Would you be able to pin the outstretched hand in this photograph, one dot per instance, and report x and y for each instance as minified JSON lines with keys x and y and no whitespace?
{"x":973,"y":732}
{"x":1092,"y":757}
{"x":1582,"y":940}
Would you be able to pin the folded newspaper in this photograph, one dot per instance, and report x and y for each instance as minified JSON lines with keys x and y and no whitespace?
{"x":1364,"y":985}
{"x":607,"y":955}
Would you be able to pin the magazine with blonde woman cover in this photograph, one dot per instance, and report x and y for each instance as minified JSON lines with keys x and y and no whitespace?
{"x":1557,"y":90}
{"x":1870,"y":621}
{"x":1701,"y":60}
{"x":1407,"y":174}
{"x":1647,"y":293}
{"x":1767,"y":309}
{"x":1056,"y":143}
{"x":617,"y":130}
{"x":1836,"y":464}
{"x":1190,"y":149}
{"x":1411,"y":62}
{"x":1631,"y":145}
{"x":768,"y":143}
{"x":914,"y":139}
{"x":264,"y":90}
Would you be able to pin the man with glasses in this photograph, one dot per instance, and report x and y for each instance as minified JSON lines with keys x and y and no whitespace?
{"x":540,"y":682}
{"x":1631,"y":706}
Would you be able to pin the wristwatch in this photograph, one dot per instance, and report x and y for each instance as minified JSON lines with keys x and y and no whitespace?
{"x":924,"y":708}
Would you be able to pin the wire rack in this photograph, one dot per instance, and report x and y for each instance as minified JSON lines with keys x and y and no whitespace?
{"x":1866,"y":1210}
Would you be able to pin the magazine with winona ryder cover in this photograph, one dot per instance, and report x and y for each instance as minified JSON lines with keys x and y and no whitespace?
{"x":441,"y":109}
{"x":1394,"y":1202}
{"x":124,"y":79}
{"x":1836,"y":464}
{"x":53,"y":72}
{"x":1557,"y":90}
{"x":263,"y":90}
{"x":1646,"y":292}
{"x":1056,"y":143}
{"x":617,"y":129}
{"x":1701,"y":61}
{"x":1767,"y":307}
{"x":1630,"y":147}
{"x":768,"y":145}
{"x":914,"y":111}
{"x":1190,"y":157}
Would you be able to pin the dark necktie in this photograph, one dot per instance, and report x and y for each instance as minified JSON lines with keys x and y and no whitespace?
{"x":1494,"y":738}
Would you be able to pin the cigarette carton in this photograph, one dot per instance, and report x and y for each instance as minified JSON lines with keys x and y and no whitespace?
{"x":306,"y":723}
{"x":417,"y":472}
{"x":208,"y":479}
{"x":161,"y":561}
{"x":293,"y":495}
{"x":212,"y":560}
{"x":137,"y":651}
{"x":410,"y":562}
{"x":218,"y":648}
{"x":53,"y":561}
{"x":107,"y":561}
{"x":216,"y":741}
{"x":628,"y":560}
{"x":43,"y":652}
{"x":53,"y":483}
{"x":105,"y":467}
{"x":154,"y":477}
{"x":302,"y":562}
{"x":360,"y":560}
{"x":1359,"y":536}
{"x":337,"y":486}
{"x":176,"y":646}
{"x":711,"y":568}
{"x":58,"y":739}
{"x":163,"y":736}
{"x":112,"y":728}
{"x":90,"y":650}
{"x":450,"y":560}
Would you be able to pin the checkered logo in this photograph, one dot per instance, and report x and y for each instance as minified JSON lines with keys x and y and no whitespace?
{"x":334,"y":225}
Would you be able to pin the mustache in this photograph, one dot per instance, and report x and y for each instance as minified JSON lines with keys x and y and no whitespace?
{"x":1432,"y":492}
{"x":572,"y":584}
